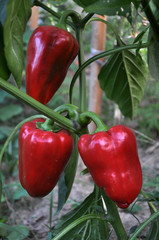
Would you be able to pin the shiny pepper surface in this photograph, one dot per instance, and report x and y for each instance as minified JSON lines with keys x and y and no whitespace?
{"x":112,"y":159}
{"x":50,"y":52}
{"x":43,"y":156}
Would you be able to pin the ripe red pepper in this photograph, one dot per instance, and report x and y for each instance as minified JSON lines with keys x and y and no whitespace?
{"x":112,"y":159}
{"x":50,"y":52}
{"x":43,"y":156}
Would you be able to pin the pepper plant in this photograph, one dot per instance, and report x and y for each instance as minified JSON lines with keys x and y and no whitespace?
{"x":49,"y":142}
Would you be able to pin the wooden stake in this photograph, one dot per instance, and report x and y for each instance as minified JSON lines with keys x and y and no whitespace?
{"x":97,"y":45}
{"x":34,"y":18}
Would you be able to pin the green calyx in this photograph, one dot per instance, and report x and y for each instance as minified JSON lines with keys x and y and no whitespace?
{"x":48,"y":125}
{"x":79,"y":120}
{"x":69,"y":111}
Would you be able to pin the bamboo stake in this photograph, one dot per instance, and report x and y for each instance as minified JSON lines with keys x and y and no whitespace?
{"x":34,"y":18}
{"x":97,"y":45}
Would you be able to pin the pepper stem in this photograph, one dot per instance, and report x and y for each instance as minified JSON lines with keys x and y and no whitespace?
{"x":72,"y":110}
{"x":85,"y":118}
{"x":68,"y":13}
{"x":48,"y":125}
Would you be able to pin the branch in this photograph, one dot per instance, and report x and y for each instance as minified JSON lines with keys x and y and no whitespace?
{"x":153,"y":22}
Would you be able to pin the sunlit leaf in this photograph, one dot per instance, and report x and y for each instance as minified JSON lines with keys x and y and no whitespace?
{"x":123,"y":80}
{"x":110,"y":8}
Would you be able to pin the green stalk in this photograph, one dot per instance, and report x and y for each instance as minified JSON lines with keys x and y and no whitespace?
{"x":78,"y":27}
{"x":114,"y":218}
{"x":82,"y":76}
{"x":153,"y":22}
{"x":143,"y":225}
{"x":55,"y":14}
{"x":85,"y":20}
{"x":63,"y":19}
{"x":85,"y":118}
{"x":51,"y":211}
{"x":40,"y":4}
{"x":151,"y":205}
{"x":101,"y":55}
{"x":64,"y":122}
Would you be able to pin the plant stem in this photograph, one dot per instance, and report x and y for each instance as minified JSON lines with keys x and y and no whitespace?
{"x":63,"y":19}
{"x":51,"y":211}
{"x":65,"y":122}
{"x":101,"y":55}
{"x":153,"y":22}
{"x":82,"y":76}
{"x":151,"y":205}
{"x":40,"y":4}
{"x":143,"y":225}
{"x":55,"y":14}
{"x":85,"y":20}
{"x":114,"y":218}
{"x":85,"y":118}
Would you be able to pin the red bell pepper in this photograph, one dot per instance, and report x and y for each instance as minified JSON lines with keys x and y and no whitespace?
{"x":51,"y":50}
{"x":43,"y":156}
{"x":112,"y":159}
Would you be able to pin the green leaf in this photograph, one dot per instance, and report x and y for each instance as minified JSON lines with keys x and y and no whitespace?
{"x":18,"y":232}
{"x":123,"y":79}
{"x":110,"y":8}
{"x":85,"y":3}
{"x":113,"y":215}
{"x":67,"y":178}
{"x":10,"y":111}
{"x":141,"y":34}
{"x":133,"y":229}
{"x":153,"y":57}
{"x":67,"y":219}
{"x":153,"y":233}
{"x":90,"y":229}
{"x":144,"y":224}
{"x":4,"y":71}
{"x":136,"y":3}
{"x":18,"y":13}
